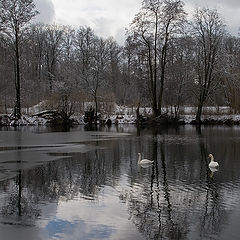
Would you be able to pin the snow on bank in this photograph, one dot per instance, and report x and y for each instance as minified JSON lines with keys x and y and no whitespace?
{"x":7,"y":120}
{"x":40,"y":107}
{"x":120,"y":115}
{"x":188,"y":118}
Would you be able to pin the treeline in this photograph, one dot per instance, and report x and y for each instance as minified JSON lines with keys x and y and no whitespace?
{"x":167,"y":60}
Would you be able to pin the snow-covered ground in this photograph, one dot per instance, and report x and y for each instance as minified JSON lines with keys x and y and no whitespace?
{"x":188,"y":118}
{"x":120,"y":115}
{"x":24,"y":121}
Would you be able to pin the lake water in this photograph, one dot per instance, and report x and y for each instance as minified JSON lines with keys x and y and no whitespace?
{"x":78,"y":184}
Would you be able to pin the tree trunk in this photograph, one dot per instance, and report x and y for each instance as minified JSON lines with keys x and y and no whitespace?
{"x":199,"y":112}
{"x":20,"y":193}
{"x":203,"y":96}
{"x":17,"y":111}
{"x":96,"y":106}
{"x":163,"y":66}
{"x":156,"y":110}
{"x":162,"y":79}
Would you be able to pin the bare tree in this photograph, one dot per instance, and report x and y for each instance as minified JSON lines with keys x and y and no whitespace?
{"x":93,"y":54}
{"x":67,"y":56}
{"x":230,"y":63}
{"x":113,"y":71}
{"x":180,"y":73}
{"x":98,"y":69}
{"x":37,"y":38}
{"x":15,"y":15}
{"x":153,"y":27}
{"x":208,"y":30}
{"x":53,"y":44}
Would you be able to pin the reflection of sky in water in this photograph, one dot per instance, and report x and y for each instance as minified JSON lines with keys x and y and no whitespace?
{"x":102,"y":218}
{"x":59,"y":228}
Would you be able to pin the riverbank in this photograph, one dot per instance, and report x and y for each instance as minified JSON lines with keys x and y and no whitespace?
{"x":127,"y":115}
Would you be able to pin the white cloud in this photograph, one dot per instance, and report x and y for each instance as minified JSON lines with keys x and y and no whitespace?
{"x":229,"y":10}
{"x":111,"y":17}
{"x":46,"y":9}
{"x":105,"y":17}
{"x":215,"y":3}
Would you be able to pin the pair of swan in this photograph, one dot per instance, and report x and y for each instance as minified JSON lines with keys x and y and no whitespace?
{"x":212,"y":165}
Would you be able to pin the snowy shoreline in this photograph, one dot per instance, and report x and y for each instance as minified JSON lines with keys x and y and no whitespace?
{"x":5,"y":120}
{"x":126,"y":115}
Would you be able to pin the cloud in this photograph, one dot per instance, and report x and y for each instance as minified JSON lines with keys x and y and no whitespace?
{"x":215,"y":3}
{"x":111,"y":17}
{"x":106,"y":17}
{"x":46,"y":9}
{"x":228,"y":10}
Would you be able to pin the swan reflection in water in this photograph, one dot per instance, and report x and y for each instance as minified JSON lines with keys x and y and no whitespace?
{"x":213,"y":170}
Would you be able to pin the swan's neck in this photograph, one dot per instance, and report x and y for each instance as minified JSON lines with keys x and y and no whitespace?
{"x":139,"y":157}
{"x":212,"y":158}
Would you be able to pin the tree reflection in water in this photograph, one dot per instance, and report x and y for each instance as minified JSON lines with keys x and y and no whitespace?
{"x":159,"y":215}
{"x":214,"y":215}
{"x":19,"y":207}
{"x":153,"y":214}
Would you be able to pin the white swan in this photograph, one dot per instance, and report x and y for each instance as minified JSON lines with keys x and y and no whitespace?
{"x":143,"y":162}
{"x":212,"y":164}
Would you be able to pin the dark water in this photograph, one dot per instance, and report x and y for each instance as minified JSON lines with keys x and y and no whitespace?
{"x":87,"y":185}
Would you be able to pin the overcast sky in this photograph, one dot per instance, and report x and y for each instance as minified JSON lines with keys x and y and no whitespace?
{"x":111,"y":17}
